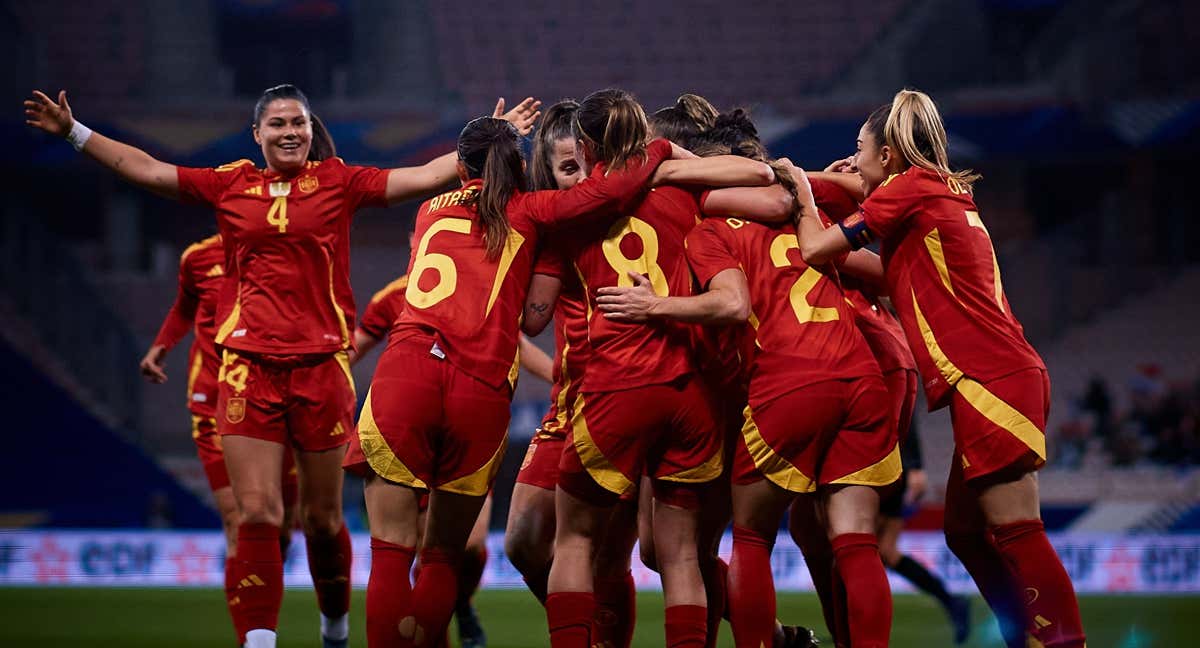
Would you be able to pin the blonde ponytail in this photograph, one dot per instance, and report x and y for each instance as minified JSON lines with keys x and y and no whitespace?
{"x":915,"y":132}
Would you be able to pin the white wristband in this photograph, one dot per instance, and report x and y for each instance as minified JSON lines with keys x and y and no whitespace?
{"x":79,"y":135}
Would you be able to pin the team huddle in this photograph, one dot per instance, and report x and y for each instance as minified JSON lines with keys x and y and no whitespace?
{"x":724,"y":354}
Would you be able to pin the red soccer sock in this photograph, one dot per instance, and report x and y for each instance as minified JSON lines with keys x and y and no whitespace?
{"x":569,"y":615}
{"x":232,"y":602}
{"x":432,"y":599}
{"x":616,"y":610}
{"x":329,"y":565}
{"x":389,"y":593}
{"x":685,"y":626}
{"x":716,"y":590}
{"x":258,"y":572}
{"x":983,"y":562}
{"x":839,"y":614}
{"x":1051,"y":611}
{"x":470,"y":573}
{"x":868,"y":595}
{"x":751,"y":590}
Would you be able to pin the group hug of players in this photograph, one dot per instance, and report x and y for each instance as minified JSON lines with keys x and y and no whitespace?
{"x":721,"y":356}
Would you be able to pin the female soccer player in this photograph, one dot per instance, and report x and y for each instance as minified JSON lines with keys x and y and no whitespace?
{"x":804,"y":355}
{"x":944,"y":281}
{"x":201,"y":271}
{"x":381,"y":312}
{"x":641,"y":407}
{"x":285,"y":315}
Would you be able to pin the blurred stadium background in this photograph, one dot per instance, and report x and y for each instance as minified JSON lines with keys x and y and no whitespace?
{"x":1083,"y":117}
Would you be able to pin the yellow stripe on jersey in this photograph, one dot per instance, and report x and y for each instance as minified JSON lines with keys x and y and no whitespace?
{"x":771,"y":465}
{"x":933,"y":243}
{"x":974,"y":220}
{"x":198,"y":245}
{"x":514,"y":371}
{"x":231,"y":322}
{"x":194,"y":372}
{"x":587,"y":300}
{"x":341,"y":315}
{"x":598,"y":466}
{"x":560,"y":405}
{"x":991,"y":406}
{"x":479,"y":482}
{"x":511,"y":246}
{"x":881,"y":473}
{"x":379,"y":454}
{"x":398,"y":284}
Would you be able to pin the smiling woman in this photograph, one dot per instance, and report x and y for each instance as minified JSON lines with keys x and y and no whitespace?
{"x":285,"y":310}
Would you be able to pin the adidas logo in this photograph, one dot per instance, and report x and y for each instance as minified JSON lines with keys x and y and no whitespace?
{"x":215,"y":271}
{"x":251,"y":581}
{"x":254,"y":191}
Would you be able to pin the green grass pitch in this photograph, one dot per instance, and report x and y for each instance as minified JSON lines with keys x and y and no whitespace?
{"x":137,"y":618}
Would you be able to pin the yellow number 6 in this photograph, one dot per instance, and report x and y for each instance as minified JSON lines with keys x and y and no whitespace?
{"x":440,"y":263}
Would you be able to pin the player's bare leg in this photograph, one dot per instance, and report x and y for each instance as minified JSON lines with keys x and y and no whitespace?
{"x":327,"y":539}
{"x":571,"y":603}
{"x":676,"y":529}
{"x":254,"y":466}
{"x":529,"y":535}
{"x":645,"y":524}
{"x":393,"y":514}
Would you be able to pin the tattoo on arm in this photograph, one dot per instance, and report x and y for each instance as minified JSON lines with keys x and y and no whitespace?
{"x":540,"y":309}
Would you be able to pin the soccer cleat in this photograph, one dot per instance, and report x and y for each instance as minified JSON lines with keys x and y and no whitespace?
{"x":326,"y":642}
{"x":798,"y":637}
{"x":960,"y":616}
{"x":470,"y":632}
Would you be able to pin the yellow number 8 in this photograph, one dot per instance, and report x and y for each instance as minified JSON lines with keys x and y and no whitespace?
{"x":646,"y":264}
{"x":805,"y":312}
{"x":440,"y":263}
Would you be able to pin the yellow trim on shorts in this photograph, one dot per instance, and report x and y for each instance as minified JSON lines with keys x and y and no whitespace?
{"x":771,"y":465}
{"x":597,"y":465}
{"x":479,"y":482}
{"x":379,"y":454}
{"x":194,"y":372}
{"x":985,"y":402}
{"x":1003,"y":415}
{"x":881,"y":473}
{"x":343,"y":360}
{"x":705,"y":472}
{"x":560,"y":405}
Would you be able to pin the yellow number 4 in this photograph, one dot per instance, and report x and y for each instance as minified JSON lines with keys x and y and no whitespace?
{"x":277,"y":215}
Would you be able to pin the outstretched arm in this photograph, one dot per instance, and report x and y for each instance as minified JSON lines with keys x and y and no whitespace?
{"x":727,"y":301}
{"x":129,"y":162}
{"x":717,"y":171}
{"x":409,"y":183}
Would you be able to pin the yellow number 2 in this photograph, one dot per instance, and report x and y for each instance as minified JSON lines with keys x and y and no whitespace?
{"x":975,"y":221}
{"x":798,"y":295}
{"x":277,"y":214}
{"x":646,"y":264}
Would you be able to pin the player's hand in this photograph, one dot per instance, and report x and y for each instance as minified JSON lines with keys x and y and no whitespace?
{"x":152,"y":366}
{"x":844,"y":165}
{"x":680,"y":153}
{"x":635,"y":304}
{"x":918,"y":485}
{"x":523,"y":116}
{"x":44,"y":113}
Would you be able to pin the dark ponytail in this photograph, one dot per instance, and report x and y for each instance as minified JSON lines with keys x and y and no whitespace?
{"x":613,"y":122}
{"x":490,"y":149}
{"x":556,"y":125}
{"x":683,"y":122}
{"x":321,"y":147}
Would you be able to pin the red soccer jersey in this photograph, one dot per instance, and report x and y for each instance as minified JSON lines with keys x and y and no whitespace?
{"x":287,"y":250}
{"x":384,"y":309}
{"x":945,"y":283}
{"x":802,"y":327}
{"x":879,"y":327}
{"x":571,"y":347}
{"x":201,"y":272}
{"x":472,"y":304}
{"x":647,"y":241}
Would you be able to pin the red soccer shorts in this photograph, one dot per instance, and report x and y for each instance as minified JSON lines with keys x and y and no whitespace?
{"x":540,"y":466}
{"x":212,"y":457}
{"x":665,"y":431}
{"x":305,"y":401}
{"x":827,"y":433}
{"x":428,"y":425}
{"x":902,"y":387}
{"x":1001,"y":424}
